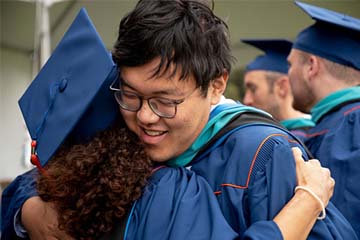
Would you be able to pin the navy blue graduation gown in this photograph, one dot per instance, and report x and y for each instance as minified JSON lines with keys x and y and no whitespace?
{"x":298,"y":126}
{"x":335,"y":141}
{"x":177,"y":204}
{"x":252,"y":171}
{"x":13,"y":197}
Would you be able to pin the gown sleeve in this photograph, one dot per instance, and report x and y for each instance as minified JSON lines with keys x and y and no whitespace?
{"x":272,"y":187}
{"x":13,"y":197}
{"x":253,"y":170}
{"x":177,"y":205}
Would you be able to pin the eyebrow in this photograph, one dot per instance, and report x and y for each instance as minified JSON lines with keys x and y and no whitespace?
{"x":160,"y":92}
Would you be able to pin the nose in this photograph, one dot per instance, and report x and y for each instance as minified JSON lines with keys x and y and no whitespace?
{"x":248,"y":99}
{"x":146,"y":115}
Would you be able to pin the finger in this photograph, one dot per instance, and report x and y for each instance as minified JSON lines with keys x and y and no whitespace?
{"x":332,"y":187}
{"x":297,"y":154}
{"x":314,"y":162}
{"x":327,"y":172}
{"x":332,"y":182}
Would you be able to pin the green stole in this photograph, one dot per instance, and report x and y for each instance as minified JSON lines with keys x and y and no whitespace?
{"x":332,"y":100}
{"x":296,"y":123}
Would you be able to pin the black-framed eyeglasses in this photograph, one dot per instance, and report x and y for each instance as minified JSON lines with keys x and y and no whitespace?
{"x":162,"y":107}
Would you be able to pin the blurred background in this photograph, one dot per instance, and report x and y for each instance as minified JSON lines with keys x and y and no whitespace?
{"x":31,"y":29}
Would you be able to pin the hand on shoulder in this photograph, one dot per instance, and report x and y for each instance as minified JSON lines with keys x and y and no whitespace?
{"x":310,"y":174}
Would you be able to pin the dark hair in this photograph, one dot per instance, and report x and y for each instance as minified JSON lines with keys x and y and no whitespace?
{"x":93,"y":185}
{"x":181,"y":32}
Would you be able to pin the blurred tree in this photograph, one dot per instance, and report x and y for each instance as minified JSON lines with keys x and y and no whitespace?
{"x":235,"y":88}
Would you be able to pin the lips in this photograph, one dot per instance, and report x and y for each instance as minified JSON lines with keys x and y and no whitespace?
{"x":153,"y":133}
{"x":152,"y":136}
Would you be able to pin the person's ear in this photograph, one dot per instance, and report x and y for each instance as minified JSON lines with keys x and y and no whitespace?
{"x":313,"y":67}
{"x":218,"y":86}
{"x":282,"y":86}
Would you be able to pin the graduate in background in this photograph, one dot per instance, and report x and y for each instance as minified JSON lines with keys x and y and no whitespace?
{"x":267,"y":85}
{"x":325,"y":77}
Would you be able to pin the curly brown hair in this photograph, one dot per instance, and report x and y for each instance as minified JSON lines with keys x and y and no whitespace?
{"x":93,"y":185}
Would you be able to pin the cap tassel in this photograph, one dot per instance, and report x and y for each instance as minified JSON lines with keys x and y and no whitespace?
{"x":34,"y":159}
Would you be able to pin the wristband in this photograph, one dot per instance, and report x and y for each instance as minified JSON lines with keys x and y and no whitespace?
{"x":306,"y":189}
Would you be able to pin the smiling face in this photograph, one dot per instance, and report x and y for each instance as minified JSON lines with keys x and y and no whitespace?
{"x":166,"y":138}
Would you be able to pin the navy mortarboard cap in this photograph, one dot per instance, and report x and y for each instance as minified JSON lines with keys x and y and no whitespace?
{"x":70,"y":96}
{"x":275,"y":57}
{"x":334,"y":36}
